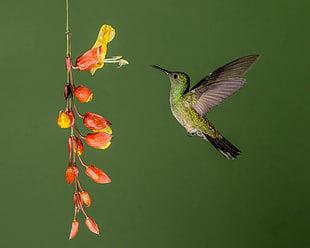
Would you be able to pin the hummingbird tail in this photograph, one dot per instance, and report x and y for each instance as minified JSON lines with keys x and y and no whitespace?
{"x":222,"y":145}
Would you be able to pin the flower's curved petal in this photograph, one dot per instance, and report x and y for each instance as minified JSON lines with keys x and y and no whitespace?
{"x":105,"y":35}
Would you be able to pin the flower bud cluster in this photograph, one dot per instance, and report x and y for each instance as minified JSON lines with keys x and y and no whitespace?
{"x":100,"y":134}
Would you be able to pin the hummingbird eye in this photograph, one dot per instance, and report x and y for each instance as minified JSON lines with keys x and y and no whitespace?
{"x":175,"y":76}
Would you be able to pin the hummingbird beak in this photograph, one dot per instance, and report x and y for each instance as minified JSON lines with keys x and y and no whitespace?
{"x":159,"y":68}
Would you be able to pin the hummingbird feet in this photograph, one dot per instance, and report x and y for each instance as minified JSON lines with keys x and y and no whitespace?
{"x":202,"y":135}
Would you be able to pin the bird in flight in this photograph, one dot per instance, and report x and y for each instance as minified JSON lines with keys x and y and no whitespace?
{"x":189,"y":106}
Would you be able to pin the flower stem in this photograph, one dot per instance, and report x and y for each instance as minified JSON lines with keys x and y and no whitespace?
{"x":76,"y":110}
{"x":79,"y":133}
{"x":68,"y":46}
{"x":82,"y":162}
{"x":68,"y":53}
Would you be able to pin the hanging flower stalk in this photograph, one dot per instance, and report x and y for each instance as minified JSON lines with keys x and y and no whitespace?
{"x":101,"y":134}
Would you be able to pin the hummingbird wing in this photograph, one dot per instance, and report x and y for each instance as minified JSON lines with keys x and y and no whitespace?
{"x":220,"y":84}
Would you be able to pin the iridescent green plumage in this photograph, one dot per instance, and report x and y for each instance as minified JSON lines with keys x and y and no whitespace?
{"x":190,"y":106}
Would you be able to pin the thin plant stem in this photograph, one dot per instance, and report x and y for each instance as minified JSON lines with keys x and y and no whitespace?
{"x":82,"y":162}
{"x":68,"y":53}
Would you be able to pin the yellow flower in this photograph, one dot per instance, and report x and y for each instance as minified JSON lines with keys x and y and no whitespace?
{"x":65,"y":119}
{"x":94,"y":58}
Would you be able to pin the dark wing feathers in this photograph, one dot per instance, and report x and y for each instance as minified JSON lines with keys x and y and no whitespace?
{"x":220,"y":84}
{"x":215,"y":94}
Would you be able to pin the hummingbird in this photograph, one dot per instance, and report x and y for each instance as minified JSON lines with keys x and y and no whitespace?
{"x":189,"y":106}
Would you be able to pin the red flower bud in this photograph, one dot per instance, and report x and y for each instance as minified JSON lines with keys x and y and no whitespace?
{"x":92,"y":226}
{"x":65,"y":119}
{"x":77,"y":143}
{"x":95,"y":122}
{"x":74,"y":229}
{"x":98,"y":140}
{"x":97,"y":175}
{"x":70,"y":174}
{"x":83,"y":94}
{"x":85,"y":198}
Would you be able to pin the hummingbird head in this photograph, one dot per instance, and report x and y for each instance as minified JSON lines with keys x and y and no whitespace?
{"x":175,"y":77}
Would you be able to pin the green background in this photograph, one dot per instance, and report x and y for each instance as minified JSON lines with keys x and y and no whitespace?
{"x":168,"y":190}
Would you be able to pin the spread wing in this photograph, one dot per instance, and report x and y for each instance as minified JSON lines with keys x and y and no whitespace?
{"x":220,"y":84}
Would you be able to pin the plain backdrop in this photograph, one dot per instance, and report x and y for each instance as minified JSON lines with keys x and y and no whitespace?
{"x":169,"y":190}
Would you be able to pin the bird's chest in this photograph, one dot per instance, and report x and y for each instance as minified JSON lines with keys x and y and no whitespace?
{"x":183,"y":114}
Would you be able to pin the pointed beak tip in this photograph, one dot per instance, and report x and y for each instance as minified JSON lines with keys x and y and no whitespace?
{"x":159,"y":68}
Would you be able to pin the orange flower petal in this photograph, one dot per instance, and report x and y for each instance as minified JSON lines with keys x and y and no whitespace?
{"x":70,"y":174}
{"x":74,"y":229}
{"x":83,"y":94}
{"x":86,"y":198}
{"x":92,"y":226}
{"x":98,"y":140}
{"x":97,"y":175}
{"x":93,"y":58}
{"x":95,"y":122}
